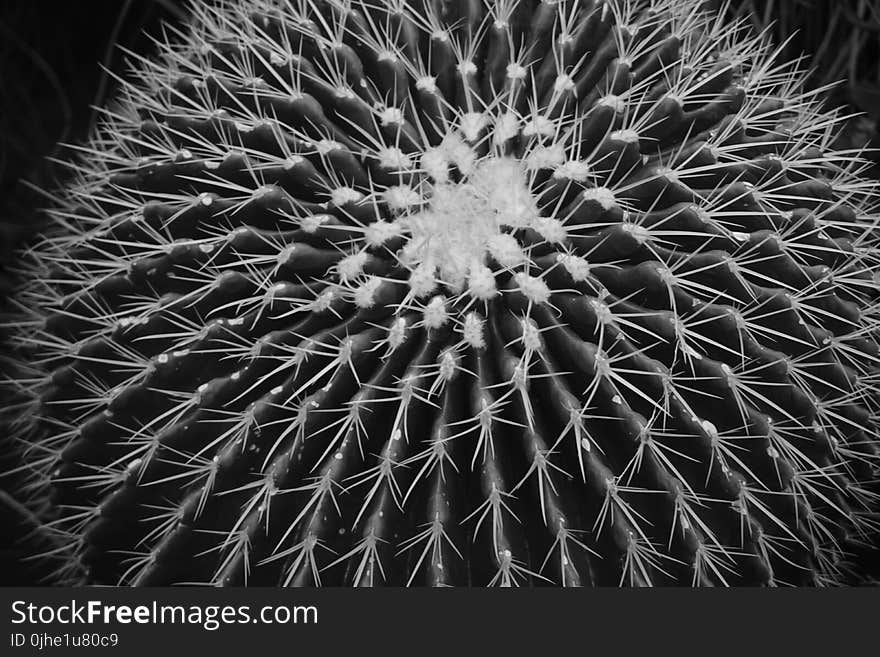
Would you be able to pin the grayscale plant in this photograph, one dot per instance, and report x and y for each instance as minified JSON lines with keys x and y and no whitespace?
{"x":418,"y":292}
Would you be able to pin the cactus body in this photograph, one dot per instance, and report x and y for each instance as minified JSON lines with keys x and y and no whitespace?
{"x":456,"y":293}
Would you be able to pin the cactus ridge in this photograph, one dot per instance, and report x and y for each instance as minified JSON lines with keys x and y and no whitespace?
{"x":416,"y":292}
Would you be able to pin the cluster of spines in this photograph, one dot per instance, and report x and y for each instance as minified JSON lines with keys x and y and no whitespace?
{"x":671,"y":375}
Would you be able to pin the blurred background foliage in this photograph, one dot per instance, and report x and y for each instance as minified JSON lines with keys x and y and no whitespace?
{"x":54,"y":58}
{"x":54,"y":64}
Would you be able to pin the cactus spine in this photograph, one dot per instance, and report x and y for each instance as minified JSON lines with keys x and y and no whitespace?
{"x":455,"y":293}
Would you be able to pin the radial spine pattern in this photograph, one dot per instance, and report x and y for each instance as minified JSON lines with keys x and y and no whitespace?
{"x":455,"y":293}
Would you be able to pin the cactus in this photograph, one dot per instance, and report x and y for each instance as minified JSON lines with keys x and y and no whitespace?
{"x":455,"y":293}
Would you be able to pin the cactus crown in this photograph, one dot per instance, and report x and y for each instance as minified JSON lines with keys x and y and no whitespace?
{"x":481,"y":292}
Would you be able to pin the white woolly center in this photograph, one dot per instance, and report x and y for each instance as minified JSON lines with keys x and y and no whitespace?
{"x":463,"y":222}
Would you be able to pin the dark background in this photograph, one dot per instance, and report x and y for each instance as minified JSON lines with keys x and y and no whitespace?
{"x":51,"y":58}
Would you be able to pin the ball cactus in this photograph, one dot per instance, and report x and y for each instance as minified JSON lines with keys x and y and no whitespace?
{"x":419,"y":292}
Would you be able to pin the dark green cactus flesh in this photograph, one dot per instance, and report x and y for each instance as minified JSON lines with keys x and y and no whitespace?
{"x":416,"y":292}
